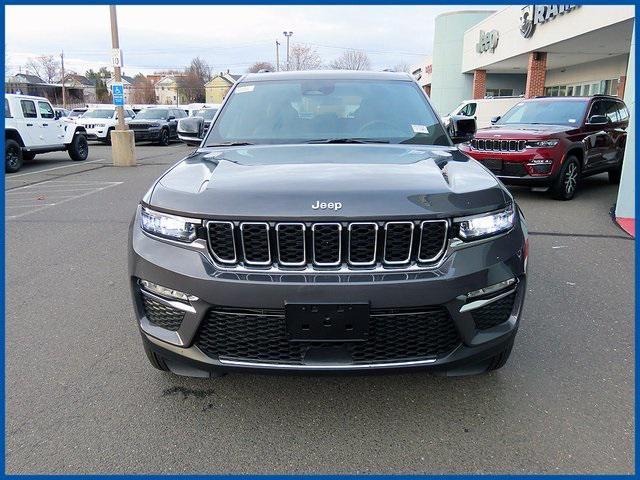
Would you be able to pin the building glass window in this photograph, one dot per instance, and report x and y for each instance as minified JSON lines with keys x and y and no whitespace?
{"x":499,"y":92}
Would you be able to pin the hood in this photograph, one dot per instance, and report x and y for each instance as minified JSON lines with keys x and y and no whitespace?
{"x":142,"y":121}
{"x":369,"y":181}
{"x":524,"y":131}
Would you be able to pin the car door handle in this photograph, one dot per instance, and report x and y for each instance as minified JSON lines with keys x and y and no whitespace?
{"x":45,"y":124}
{"x":29,"y":124}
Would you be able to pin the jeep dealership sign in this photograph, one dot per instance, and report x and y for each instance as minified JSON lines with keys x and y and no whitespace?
{"x":533,"y":15}
{"x":488,"y":41}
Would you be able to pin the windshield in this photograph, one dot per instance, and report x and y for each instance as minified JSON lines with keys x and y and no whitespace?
{"x":309,"y":110}
{"x":546,"y":112}
{"x":206,"y":113}
{"x":153,"y":114}
{"x":98,"y":114}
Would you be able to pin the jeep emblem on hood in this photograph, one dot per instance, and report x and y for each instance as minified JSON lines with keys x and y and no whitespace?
{"x":326,"y":206}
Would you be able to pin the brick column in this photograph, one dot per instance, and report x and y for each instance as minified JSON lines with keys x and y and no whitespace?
{"x":621,"y":84}
{"x":479,"y":89}
{"x":536,"y":74}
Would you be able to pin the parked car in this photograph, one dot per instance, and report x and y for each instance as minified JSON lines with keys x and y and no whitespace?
{"x":61,"y":112}
{"x":193,"y":108}
{"x":157,"y":125}
{"x":317,"y":229}
{"x":75,"y":113}
{"x":191,"y":130}
{"x":483,"y":109}
{"x":100,"y":122}
{"x":31,"y":127}
{"x":554,"y":142}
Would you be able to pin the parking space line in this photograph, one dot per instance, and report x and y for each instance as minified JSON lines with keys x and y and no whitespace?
{"x":37,"y":190}
{"x":77,"y":164}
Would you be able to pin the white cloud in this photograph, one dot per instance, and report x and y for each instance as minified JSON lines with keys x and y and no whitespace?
{"x":228,"y":37}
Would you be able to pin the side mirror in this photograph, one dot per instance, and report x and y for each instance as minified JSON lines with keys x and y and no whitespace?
{"x":170,"y":118}
{"x":462,"y":129}
{"x":495,"y":119}
{"x":598,"y":120}
{"x":58,"y":115}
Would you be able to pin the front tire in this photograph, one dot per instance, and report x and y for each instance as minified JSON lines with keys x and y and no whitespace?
{"x":12,"y":156}
{"x":107,"y":139}
{"x":79,"y":148}
{"x":565,"y":186}
{"x":164,"y":137}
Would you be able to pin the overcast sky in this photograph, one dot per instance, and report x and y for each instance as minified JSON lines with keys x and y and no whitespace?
{"x":227,"y":37}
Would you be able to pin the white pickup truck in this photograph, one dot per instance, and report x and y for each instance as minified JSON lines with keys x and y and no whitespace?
{"x":31,"y":126}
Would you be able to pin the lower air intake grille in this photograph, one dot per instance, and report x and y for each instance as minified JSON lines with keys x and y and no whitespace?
{"x":162,"y":315}
{"x":494,"y":314}
{"x":394,"y":335}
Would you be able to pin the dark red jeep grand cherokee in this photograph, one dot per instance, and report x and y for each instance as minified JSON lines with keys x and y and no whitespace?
{"x":553,"y":142}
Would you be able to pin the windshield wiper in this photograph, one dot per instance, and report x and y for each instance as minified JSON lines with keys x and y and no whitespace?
{"x":346,"y":140}
{"x":229,"y":144}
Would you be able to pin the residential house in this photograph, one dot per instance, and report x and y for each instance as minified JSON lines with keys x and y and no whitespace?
{"x":167,"y":90}
{"x":219,"y":85}
{"x":127,"y":86}
{"x":27,"y":84}
{"x":88,"y":87}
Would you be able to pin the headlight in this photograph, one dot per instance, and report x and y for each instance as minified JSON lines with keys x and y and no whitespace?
{"x":542,"y":143}
{"x":169,"y":226}
{"x":481,"y":226}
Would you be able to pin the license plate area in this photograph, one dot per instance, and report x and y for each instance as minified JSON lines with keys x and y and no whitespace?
{"x":493,"y":164}
{"x":327,"y":322}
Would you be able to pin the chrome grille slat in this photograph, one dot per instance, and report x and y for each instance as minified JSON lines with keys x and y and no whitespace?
{"x":319,"y":230}
{"x":358,"y":245}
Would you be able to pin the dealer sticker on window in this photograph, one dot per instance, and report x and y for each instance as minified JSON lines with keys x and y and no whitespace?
{"x":420,"y":129}
{"x":245,"y":88}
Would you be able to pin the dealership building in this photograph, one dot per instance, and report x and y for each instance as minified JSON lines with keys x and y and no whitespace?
{"x":530,"y":51}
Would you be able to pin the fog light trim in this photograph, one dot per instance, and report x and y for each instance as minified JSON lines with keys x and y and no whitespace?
{"x":166,"y":292}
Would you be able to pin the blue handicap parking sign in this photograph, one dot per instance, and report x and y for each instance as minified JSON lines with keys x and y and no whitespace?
{"x":117,"y":91}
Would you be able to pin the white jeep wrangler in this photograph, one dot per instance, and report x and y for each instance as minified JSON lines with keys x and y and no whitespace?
{"x":31,"y":126}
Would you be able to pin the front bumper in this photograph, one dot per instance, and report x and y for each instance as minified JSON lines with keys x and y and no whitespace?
{"x":466,"y":268}
{"x":97,"y":133}
{"x":147,"y":135}
{"x":515,"y":166}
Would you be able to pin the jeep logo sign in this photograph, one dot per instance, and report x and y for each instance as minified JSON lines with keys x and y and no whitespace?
{"x":488,"y":41}
{"x":326,"y":205}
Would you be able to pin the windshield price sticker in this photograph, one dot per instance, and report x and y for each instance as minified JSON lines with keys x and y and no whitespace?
{"x":420,"y":129}
{"x":245,"y":88}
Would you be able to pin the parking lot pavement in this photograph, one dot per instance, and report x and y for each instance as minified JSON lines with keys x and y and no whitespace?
{"x":81,"y":396}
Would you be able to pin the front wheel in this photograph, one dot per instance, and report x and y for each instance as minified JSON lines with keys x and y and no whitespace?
{"x":12,"y":156}
{"x":164,"y":137}
{"x":564,"y":188}
{"x":79,"y":148}
{"x":107,"y":140}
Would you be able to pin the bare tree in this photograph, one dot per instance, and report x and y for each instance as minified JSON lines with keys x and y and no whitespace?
{"x":143,"y":91}
{"x":402,"y":67}
{"x":45,"y":66}
{"x":256,"y":67}
{"x":304,"y":57}
{"x":352,"y":60}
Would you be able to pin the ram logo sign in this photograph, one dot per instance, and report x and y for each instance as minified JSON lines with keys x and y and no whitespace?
{"x":532,"y":15}
{"x":488,"y":41}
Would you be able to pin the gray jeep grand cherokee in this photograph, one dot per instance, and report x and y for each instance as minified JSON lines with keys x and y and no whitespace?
{"x":328,"y":223}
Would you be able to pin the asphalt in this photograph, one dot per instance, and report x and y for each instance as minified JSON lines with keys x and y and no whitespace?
{"x":82,"y":398}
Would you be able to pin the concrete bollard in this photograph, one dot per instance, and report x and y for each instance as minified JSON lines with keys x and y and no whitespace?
{"x":123,"y":148}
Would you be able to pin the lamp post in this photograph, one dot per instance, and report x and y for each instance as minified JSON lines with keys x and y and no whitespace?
{"x":288,"y":35}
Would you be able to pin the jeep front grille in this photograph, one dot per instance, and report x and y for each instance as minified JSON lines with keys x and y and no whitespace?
{"x":489,"y":145}
{"x":327,"y":245}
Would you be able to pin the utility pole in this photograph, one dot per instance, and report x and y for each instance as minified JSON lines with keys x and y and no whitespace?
{"x":64,"y":93}
{"x":115,"y":44}
{"x":277,"y":56}
{"x":288,"y":35}
{"x":122,"y":139}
